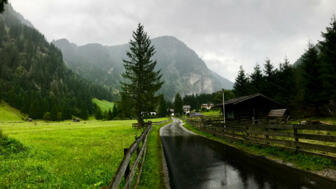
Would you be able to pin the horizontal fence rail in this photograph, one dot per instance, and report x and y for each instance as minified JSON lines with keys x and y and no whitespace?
{"x":313,"y":138}
{"x":124,"y":170}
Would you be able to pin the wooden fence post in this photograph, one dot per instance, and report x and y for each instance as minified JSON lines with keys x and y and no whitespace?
{"x":267,"y":136}
{"x":296,"y":138}
{"x":128,"y":166}
{"x":247,"y":131}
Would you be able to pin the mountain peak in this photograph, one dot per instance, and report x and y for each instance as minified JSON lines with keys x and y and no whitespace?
{"x":183,"y":71}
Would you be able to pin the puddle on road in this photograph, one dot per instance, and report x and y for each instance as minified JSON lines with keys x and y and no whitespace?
{"x":196,"y":162}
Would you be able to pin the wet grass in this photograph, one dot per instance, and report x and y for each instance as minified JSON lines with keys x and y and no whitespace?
{"x":152,"y":175}
{"x":299,"y":160}
{"x":65,"y":154}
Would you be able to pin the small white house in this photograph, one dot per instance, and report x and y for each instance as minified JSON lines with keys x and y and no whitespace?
{"x":186,"y":109}
{"x":207,"y":106}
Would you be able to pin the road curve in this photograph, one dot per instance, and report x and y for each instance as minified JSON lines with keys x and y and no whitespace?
{"x":196,"y":162}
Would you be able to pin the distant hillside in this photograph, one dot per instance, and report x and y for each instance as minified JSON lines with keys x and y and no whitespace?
{"x":183,"y":71}
{"x":33,"y":76}
{"x":104,"y":105}
{"x":8,"y":113}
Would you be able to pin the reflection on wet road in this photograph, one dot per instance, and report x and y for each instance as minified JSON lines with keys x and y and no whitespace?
{"x":196,"y":162}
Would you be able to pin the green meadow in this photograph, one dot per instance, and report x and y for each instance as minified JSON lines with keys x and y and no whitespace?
{"x":65,"y":154}
{"x":104,"y":105}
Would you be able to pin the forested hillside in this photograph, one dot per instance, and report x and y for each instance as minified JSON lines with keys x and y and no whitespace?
{"x":33,"y":77}
{"x":307,"y":88}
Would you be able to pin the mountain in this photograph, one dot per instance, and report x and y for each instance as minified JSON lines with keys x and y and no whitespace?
{"x":183,"y":71}
{"x":34,"y":78}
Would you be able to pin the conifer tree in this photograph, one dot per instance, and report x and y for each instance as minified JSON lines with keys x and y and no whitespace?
{"x":115,"y":111}
{"x":285,"y":84}
{"x":328,"y":60}
{"x":109,"y":115}
{"x":178,"y":105}
{"x":162,"y":107}
{"x":268,"y":69}
{"x":270,"y":74}
{"x":98,"y":114}
{"x":141,"y":80}
{"x":241,"y":86}
{"x":312,"y":84}
{"x":257,"y":80}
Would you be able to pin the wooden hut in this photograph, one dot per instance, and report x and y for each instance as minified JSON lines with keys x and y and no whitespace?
{"x":251,"y":107}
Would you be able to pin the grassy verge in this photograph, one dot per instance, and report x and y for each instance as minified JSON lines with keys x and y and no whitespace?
{"x":212,"y":113}
{"x":298,"y":160}
{"x":152,"y":175}
{"x":63,"y":154}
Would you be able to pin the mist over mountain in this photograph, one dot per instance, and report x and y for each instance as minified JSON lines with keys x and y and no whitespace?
{"x":183,"y":71}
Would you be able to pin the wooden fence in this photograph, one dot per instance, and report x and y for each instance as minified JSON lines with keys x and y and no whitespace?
{"x":311,"y":137}
{"x":124,"y":170}
{"x":146,"y":124}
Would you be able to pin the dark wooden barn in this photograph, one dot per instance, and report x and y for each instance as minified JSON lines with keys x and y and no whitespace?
{"x":256,"y":106}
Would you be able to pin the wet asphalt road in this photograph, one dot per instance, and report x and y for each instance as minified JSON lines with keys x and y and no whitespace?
{"x":196,"y":162}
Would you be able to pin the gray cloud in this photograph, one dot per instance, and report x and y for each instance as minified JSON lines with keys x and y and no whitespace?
{"x":225,"y":33}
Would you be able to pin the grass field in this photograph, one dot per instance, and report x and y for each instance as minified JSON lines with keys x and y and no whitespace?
{"x":103,"y":104}
{"x":65,"y":154}
{"x":8,"y":113}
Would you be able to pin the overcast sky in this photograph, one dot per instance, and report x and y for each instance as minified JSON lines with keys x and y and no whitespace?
{"x":224,"y":33}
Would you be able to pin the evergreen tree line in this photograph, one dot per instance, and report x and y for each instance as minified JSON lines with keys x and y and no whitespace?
{"x":34,"y":79}
{"x":111,"y":114}
{"x":307,"y":88}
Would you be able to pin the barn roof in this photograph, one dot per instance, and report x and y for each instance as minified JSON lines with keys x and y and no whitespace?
{"x":245,"y":98}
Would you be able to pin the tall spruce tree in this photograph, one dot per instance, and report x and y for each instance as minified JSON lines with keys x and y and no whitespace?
{"x":141,"y":80}
{"x":270,"y":73}
{"x":241,"y":86}
{"x":178,"y":104}
{"x":285,"y":84}
{"x":312,"y":83}
{"x":162,"y":111}
{"x":328,"y":60}
{"x":257,"y":80}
